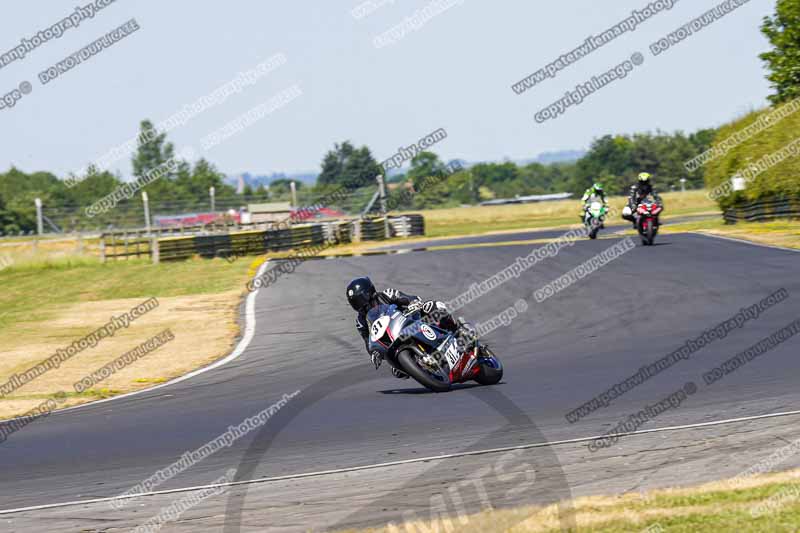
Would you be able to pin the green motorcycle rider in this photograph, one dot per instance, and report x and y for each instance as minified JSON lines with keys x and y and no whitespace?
{"x":593,"y":193}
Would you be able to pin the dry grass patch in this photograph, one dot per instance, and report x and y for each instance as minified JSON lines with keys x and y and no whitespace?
{"x":713,"y":507}
{"x":42,"y":250}
{"x":204,"y":327}
{"x":483,"y":219}
{"x":785,"y":233}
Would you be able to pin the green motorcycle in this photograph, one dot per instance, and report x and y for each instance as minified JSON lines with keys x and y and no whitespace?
{"x":594,"y":218}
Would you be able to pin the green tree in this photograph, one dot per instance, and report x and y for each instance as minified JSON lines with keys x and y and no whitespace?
{"x":151,"y":155}
{"x":783,"y":61}
{"x":333,"y":165}
{"x":349,"y":166}
{"x":777,"y":179}
{"x":6,"y":218}
{"x":195,"y":183}
{"x":425,"y":165}
{"x":262,"y":193}
{"x":281,"y":188}
{"x":610,"y":157}
{"x":90,"y":188}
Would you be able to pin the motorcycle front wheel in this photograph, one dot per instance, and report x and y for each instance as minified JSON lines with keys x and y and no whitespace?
{"x":491,"y":369}
{"x":408,"y":360}
{"x":648,"y":236}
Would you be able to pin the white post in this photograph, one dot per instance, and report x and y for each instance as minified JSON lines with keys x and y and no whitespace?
{"x":382,"y":193}
{"x":155,"y":254}
{"x":683,"y":184}
{"x":38,"y":202}
{"x":146,"y":211}
{"x":211,"y":192}
{"x":294,"y":193}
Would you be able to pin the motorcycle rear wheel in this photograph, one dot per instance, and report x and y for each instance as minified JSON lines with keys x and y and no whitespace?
{"x":409,"y":363}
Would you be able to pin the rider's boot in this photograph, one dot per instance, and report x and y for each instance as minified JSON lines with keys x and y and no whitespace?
{"x":399,"y":374}
{"x":466,"y":330}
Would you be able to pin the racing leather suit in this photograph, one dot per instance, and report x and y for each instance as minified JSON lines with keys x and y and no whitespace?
{"x":639,"y":192}
{"x":587,"y":198}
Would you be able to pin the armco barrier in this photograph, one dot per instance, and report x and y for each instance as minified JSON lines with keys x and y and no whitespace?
{"x":762,"y":210}
{"x":340,"y":232}
{"x":373,"y":229}
{"x":293,"y":238}
{"x":407,"y":225}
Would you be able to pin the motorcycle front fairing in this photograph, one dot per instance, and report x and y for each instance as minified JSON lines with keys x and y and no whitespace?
{"x":438,"y":347}
{"x":379,"y":318}
{"x":391,"y":330}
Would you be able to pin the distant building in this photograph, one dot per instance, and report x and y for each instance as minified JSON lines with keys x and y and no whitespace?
{"x":270,"y":212}
{"x":529,"y":199}
{"x":193,"y":219}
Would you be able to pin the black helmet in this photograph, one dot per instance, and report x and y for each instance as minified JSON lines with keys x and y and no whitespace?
{"x":360,"y":293}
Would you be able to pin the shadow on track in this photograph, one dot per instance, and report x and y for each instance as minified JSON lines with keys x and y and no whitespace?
{"x":423,"y":390}
{"x":543,"y":480}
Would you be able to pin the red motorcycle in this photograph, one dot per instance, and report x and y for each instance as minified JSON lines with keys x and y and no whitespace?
{"x":647,"y":220}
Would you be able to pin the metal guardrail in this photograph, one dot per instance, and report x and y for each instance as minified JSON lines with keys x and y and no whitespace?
{"x":762,"y":210}
{"x":254,"y":242}
{"x":373,"y":229}
{"x":124,"y":246}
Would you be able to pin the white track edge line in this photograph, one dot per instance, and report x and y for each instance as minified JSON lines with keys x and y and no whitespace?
{"x":402,"y":462}
{"x":249,"y":332}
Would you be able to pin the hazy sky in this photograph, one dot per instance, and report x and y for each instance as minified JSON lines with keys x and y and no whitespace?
{"x":454,"y":72}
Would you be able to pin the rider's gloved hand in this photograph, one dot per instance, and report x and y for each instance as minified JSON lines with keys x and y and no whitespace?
{"x":467,"y":327}
{"x":414,"y":306}
{"x":377,"y":358}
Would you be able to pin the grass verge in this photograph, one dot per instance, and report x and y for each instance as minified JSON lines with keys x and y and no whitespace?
{"x":785,"y":233}
{"x":46,"y":306}
{"x":769,"y":502}
{"x":485,"y":219}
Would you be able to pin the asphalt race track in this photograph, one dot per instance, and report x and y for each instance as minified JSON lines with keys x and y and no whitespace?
{"x":557,"y":355}
{"x":507,"y":236}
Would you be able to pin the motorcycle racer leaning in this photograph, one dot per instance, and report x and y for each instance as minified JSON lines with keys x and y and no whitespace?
{"x":595,"y":191}
{"x":362,"y":297}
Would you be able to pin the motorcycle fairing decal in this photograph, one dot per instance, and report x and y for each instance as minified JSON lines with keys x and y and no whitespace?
{"x":452,"y":355}
{"x":428,"y":332}
{"x":468,"y":364}
{"x":378,"y":328}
